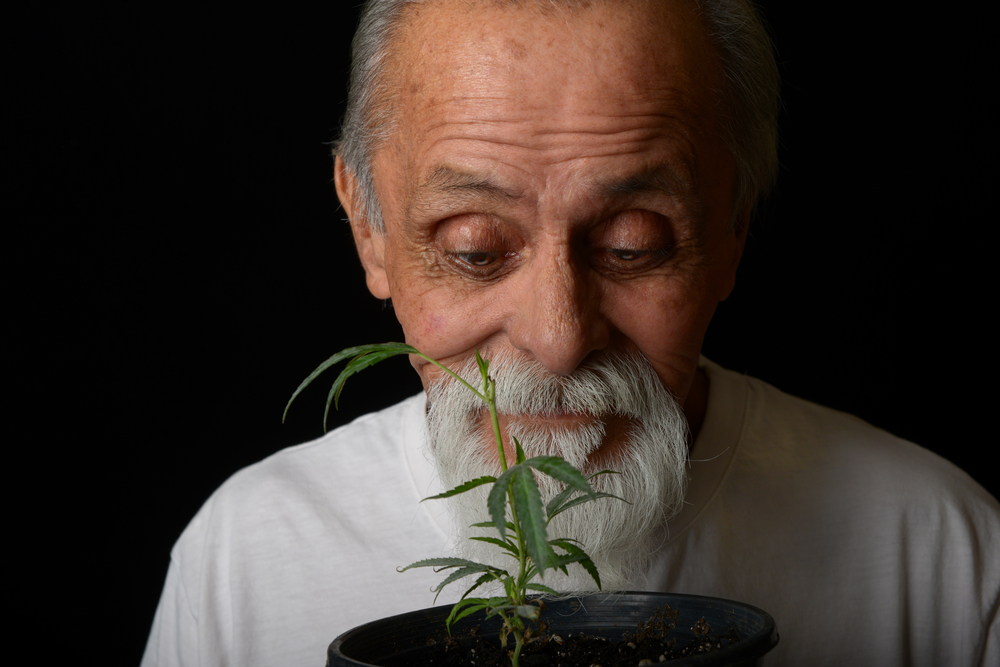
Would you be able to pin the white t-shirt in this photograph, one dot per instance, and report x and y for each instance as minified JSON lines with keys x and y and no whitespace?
{"x":866,"y":549}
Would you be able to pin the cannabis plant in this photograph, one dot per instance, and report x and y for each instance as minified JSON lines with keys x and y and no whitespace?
{"x":515,"y":505}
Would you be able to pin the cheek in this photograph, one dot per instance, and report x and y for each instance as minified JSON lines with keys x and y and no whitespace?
{"x":437,"y":324}
{"x":442,"y":323}
{"x":667,"y":325}
{"x":443,"y":319}
{"x":427,"y":317}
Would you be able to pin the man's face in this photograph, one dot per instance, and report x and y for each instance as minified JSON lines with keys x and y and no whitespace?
{"x":556,"y":186}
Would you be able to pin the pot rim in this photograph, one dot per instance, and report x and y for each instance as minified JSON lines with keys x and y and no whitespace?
{"x":757,"y":644}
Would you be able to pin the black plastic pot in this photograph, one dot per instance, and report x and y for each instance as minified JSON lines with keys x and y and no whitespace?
{"x":399,"y":640}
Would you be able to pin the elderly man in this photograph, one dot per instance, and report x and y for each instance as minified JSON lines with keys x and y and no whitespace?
{"x":566,"y":186}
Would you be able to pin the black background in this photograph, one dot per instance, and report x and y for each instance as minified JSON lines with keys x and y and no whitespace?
{"x":180,"y":264}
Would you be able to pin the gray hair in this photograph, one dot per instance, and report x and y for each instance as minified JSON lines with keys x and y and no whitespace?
{"x":750,"y":101}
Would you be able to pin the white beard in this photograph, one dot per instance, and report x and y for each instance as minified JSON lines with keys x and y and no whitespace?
{"x":620,"y":538}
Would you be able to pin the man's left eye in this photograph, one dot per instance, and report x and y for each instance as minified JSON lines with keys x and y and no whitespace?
{"x":629,"y":260}
{"x":626,"y":255}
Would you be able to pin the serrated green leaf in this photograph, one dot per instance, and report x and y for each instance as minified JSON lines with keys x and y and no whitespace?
{"x":387,"y":349}
{"x":356,"y":365}
{"x":560,"y":469}
{"x":519,"y":453}
{"x":566,"y":559}
{"x":484,"y":579}
{"x":490,"y":524}
{"x":503,"y":544}
{"x":591,"y":569}
{"x":508,"y":588}
{"x":333,"y":361}
{"x":460,"y":573}
{"x":565,"y":543}
{"x":555,"y":505}
{"x":579,"y":500}
{"x":443,"y":563}
{"x":541,"y":588}
{"x":496,"y":503}
{"x":552,"y":507}
{"x":462,"y":488}
{"x":578,"y":555}
{"x":528,"y":504}
{"x":458,"y":612}
{"x":467,"y":611}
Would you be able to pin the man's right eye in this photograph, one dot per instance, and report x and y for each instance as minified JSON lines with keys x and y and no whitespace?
{"x":480,"y":264}
{"x":475,"y":245}
{"x":477,"y":259}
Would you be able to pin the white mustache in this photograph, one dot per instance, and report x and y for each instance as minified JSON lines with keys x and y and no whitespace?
{"x":606,"y":386}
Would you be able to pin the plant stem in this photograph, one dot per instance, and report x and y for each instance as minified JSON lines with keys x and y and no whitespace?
{"x":491,"y":402}
{"x":518,"y":643}
{"x":453,"y":374}
{"x":518,"y":598}
{"x":489,"y":397}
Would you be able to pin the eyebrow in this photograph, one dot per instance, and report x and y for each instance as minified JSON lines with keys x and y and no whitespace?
{"x":659,"y":180}
{"x":448,"y":181}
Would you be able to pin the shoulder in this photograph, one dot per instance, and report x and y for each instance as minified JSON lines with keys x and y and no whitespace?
{"x":793,"y":435}
{"x":372,"y":440}
{"x":859,"y":489}
{"x":851,"y":486}
{"x":311,"y":485}
{"x":873,"y":523}
{"x":287,"y":552}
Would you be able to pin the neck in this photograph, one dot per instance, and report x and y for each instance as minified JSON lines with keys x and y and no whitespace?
{"x":696,"y":404}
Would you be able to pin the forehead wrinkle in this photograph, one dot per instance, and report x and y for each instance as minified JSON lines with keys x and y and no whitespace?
{"x":553,"y":146}
{"x":588,"y":113}
{"x":541,"y":122}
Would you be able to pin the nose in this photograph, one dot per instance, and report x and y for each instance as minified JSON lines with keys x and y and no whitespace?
{"x":558,"y":318}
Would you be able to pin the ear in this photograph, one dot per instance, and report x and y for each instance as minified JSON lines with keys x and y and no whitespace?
{"x":739,"y":240}
{"x":370,"y":243}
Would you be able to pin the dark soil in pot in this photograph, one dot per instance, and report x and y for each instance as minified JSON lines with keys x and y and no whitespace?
{"x":651,"y":643}
{"x":608,"y":630}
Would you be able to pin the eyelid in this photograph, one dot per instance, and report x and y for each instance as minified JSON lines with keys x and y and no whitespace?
{"x":498,"y":266}
{"x":619,"y":252}
{"x":462,"y":240}
{"x":467,"y":255}
{"x":644,"y":234}
{"x":608,"y":259}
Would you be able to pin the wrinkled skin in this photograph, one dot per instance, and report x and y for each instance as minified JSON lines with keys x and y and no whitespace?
{"x":556,"y":185}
